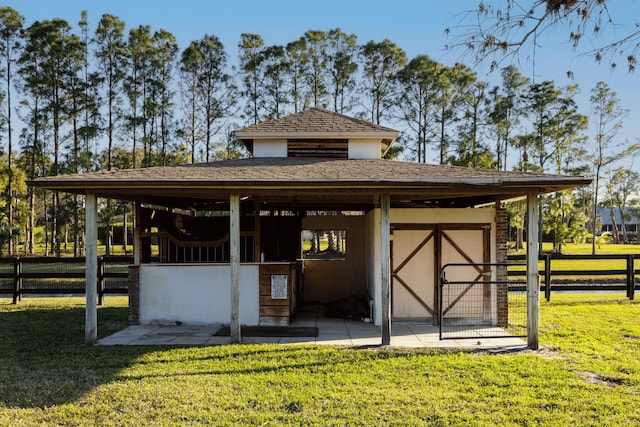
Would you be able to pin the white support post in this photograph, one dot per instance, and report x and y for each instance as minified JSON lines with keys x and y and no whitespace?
{"x":533,"y":280}
{"x":385,"y":260}
{"x":91,"y":270}
{"x":234,"y":243}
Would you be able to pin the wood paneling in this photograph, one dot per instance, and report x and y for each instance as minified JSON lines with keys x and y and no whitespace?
{"x":277,"y":312}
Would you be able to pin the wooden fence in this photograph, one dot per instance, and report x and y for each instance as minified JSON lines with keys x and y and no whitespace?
{"x":47,"y":275}
{"x":591,"y":279}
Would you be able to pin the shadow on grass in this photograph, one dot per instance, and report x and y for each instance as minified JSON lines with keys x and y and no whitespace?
{"x":43,"y":359}
{"x":44,"y":362}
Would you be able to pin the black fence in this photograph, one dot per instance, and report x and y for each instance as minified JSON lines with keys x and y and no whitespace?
{"x":582,"y":280}
{"x":47,"y":275}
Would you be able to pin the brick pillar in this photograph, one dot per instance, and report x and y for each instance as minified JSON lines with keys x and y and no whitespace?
{"x":501,"y":257}
{"x":133,"y":282}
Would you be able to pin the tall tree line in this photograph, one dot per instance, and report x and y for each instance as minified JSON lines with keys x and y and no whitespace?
{"x":107,"y":97}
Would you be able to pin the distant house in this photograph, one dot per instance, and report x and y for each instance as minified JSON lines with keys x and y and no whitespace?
{"x":608,"y":221}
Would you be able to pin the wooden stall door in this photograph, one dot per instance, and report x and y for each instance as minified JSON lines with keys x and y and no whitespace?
{"x":413,"y":272}
{"x":418,"y":252}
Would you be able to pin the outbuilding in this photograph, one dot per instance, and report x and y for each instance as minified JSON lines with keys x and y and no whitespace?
{"x":315,"y":215}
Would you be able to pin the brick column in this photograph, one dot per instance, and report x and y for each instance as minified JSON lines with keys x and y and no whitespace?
{"x":501,"y":257}
{"x":133,"y":282}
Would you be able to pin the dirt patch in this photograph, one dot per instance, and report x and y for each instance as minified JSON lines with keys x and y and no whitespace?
{"x":593,"y":378}
{"x":550,"y":353}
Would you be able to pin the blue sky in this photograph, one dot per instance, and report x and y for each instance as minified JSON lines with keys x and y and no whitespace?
{"x":417,"y":26}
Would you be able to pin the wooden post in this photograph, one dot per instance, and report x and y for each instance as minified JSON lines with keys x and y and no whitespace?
{"x":533,"y":280}
{"x":137,"y":235}
{"x":547,"y":277}
{"x":101,"y":269}
{"x":234,"y":243}
{"x":17,"y":279}
{"x":91,"y":270}
{"x":631,"y":277}
{"x":385,"y":261}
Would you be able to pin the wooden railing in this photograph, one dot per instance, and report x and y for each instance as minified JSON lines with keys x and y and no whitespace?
{"x":173,"y":249}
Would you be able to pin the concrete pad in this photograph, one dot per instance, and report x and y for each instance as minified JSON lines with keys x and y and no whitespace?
{"x":338,"y":332}
{"x":218,"y":341}
{"x":261,"y":340}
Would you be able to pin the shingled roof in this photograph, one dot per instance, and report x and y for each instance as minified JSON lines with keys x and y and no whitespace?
{"x":317,"y":123}
{"x":315,"y":120}
{"x":350,"y":180}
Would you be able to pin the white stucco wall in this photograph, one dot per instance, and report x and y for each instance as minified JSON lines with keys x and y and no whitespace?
{"x":269,"y":148}
{"x":196,"y":294}
{"x":416,"y":216}
{"x":364,"y":149}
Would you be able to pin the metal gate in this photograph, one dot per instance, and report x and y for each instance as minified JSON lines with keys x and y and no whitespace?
{"x":474,"y":303}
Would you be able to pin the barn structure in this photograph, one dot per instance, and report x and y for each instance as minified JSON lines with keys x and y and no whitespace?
{"x":316,"y":214}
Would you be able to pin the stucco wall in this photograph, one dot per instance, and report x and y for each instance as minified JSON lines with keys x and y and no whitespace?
{"x":196,"y":294}
{"x":329,"y":280}
{"x":270,"y":148}
{"x":364,"y":149}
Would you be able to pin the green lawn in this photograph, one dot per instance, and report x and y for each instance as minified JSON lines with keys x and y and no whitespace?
{"x":588,"y":373}
{"x":585,"y":249}
{"x":588,"y":264}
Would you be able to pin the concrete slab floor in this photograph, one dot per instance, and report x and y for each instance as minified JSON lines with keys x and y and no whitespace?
{"x":330,"y":332}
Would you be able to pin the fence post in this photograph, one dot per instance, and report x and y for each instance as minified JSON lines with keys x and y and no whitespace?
{"x":100,"y":280}
{"x":547,"y":277}
{"x":631,"y":282}
{"x":17,"y":279}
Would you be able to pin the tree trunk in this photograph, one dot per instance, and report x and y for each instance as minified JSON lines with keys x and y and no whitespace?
{"x":519,"y":238}
{"x":614,"y":226}
{"x":9,"y":159}
{"x":331,"y":240}
{"x":624,"y":225}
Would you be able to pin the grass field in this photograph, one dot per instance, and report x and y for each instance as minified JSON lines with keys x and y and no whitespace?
{"x":585,"y":249}
{"x":588,"y":373}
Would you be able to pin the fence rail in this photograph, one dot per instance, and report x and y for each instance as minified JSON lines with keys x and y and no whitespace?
{"x":598,"y":279}
{"x":46,"y":275}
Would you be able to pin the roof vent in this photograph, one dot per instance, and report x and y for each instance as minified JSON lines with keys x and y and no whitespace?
{"x":332,"y":148}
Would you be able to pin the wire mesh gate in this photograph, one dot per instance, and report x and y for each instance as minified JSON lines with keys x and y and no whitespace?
{"x":477,"y":301}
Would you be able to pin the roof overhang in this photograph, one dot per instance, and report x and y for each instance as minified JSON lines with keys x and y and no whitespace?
{"x":159,"y":186}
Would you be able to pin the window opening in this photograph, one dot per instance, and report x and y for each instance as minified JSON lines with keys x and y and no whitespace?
{"x":324,"y":244}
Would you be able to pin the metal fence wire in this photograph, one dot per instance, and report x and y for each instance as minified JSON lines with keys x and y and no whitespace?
{"x":478,"y":301}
